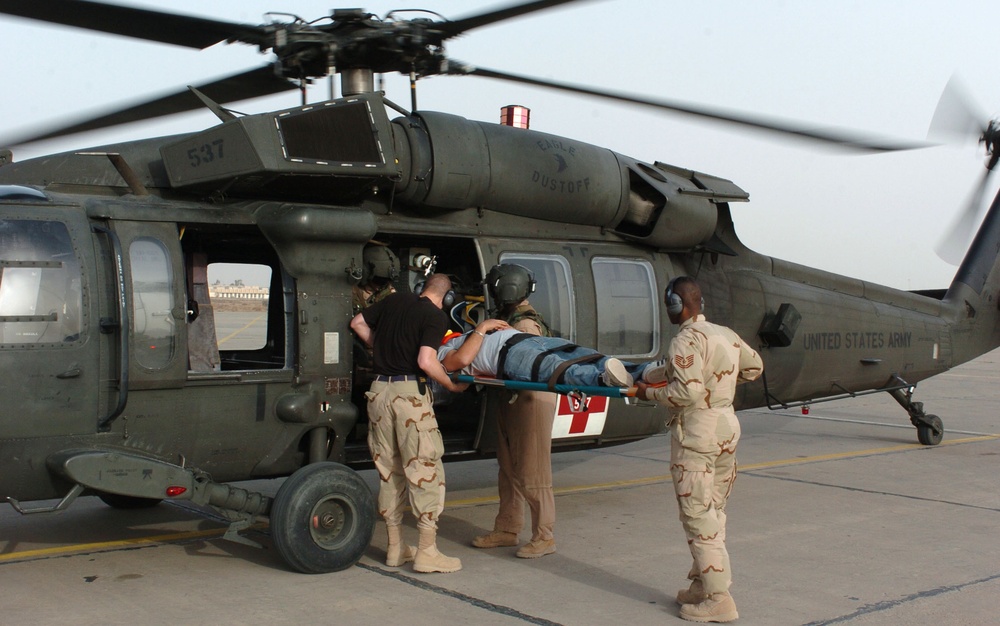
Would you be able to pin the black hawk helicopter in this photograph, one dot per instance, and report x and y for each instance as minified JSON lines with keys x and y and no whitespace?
{"x":128,"y":374}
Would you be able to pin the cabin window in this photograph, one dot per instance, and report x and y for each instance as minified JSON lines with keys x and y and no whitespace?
{"x":239,"y":293}
{"x":627,"y":307}
{"x":553,"y":297}
{"x":152,"y":303}
{"x":41,"y":297}
{"x":241,"y":302}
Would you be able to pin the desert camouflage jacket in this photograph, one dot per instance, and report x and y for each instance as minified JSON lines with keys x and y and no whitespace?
{"x":707,"y":361}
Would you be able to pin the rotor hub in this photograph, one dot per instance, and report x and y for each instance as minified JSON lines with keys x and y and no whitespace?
{"x":989,"y":140}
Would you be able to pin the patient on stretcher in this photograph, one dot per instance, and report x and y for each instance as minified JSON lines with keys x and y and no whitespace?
{"x":501,"y":352}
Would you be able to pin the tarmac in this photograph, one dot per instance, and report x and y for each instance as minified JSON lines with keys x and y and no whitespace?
{"x":838,"y":517}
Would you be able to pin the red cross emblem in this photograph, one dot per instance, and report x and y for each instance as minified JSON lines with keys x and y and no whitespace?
{"x":595,"y":404}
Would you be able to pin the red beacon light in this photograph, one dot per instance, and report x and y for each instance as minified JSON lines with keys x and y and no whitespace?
{"x":515,"y":115}
{"x":174,"y":491}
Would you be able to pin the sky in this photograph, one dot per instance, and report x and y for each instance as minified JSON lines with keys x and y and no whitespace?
{"x":875,"y":66}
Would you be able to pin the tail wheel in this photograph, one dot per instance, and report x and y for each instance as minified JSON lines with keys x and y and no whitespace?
{"x":931,"y":432}
{"x":322,"y":518}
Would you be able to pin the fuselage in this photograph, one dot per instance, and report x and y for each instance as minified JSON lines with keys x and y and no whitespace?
{"x":113,"y":341}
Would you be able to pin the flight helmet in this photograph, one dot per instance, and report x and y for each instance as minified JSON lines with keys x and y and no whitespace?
{"x":378,"y":262}
{"x":509,"y":283}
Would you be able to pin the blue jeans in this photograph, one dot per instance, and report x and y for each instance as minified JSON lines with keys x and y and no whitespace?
{"x":521,"y":359}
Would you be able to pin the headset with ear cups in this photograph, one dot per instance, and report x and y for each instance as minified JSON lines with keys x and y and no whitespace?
{"x":446,"y":302}
{"x":674,"y":303}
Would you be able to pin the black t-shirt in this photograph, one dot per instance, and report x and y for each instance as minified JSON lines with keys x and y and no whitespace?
{"x":401,"y":324}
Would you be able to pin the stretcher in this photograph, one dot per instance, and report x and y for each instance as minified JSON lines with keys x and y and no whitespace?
{"x":569,"y":390}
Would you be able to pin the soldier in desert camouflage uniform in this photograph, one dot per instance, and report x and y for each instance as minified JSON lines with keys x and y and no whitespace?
{"x":704,"y":364}
{"x":404,"y":330}
{"x":524,"y":425}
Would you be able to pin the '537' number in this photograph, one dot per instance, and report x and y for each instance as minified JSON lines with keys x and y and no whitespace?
{"x":206,"y":153}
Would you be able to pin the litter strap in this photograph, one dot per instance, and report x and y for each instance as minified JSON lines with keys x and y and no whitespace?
{"x":513,"y":341}
{"x":565,"y":365}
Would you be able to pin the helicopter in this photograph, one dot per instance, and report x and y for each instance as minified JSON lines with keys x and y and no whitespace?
{"x":127,"y":378}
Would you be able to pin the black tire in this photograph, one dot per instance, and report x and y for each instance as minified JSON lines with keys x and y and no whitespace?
{"x":322,"y":518}
{"x":118,"y":501}
{"x":931,"y":435}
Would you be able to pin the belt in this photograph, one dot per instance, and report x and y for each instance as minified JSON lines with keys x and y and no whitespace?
{"x":401,"y":378}
{"x":502,"y":357}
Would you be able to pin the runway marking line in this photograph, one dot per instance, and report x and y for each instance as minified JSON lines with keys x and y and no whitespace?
{"x":237,"y":332}
{"x":110,"y":545}
{"x":649,"y":480}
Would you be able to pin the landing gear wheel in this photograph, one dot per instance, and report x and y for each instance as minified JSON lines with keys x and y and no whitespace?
{"x":930,"y":434}
{"x":323,"y":518}
{"x":118,"y":501}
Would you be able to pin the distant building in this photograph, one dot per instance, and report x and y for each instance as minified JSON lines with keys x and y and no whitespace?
{"x":241,"y":293}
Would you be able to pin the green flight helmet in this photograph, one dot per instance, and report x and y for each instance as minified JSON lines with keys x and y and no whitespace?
{"x":509,"y":284}
{"x":378,"y":262}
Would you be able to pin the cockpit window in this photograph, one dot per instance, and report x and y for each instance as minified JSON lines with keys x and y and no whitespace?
{"x":41,"y":297}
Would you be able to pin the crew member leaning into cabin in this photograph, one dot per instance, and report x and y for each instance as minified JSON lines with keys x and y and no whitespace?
{"x":404,"y":330}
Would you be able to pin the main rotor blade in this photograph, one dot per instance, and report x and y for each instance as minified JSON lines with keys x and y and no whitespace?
{"x":841,"y":138}
{"x":261,"y":81}
{"x":180,"y":30}
{"x":454,"y":28}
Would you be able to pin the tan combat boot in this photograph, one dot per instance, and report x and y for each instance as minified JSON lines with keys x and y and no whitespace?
{"x":719,"y":607}
{"x":495,"y":539}
{"x":397,"y":553}
{"x":693,"y":594}
{"x":428,"y":558}
{"x":537,"y":548}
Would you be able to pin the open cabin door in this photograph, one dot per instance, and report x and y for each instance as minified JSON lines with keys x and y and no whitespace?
{"x":155,"y":298}
{"x":460,"y":416}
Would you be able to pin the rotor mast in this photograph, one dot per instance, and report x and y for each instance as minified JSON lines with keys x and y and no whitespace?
{"x":357,"y":80}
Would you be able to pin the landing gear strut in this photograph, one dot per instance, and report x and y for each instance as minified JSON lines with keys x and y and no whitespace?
{"x":930,"y":429}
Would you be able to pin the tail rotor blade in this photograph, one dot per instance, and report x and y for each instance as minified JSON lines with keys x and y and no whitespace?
{"x":956,"y":116}
{"x":953,"y":245}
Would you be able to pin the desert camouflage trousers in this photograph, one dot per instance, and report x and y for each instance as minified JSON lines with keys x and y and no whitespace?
{"x":406,"y":446}
{"x":702,"y":483}
{"x":524,"y":453}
